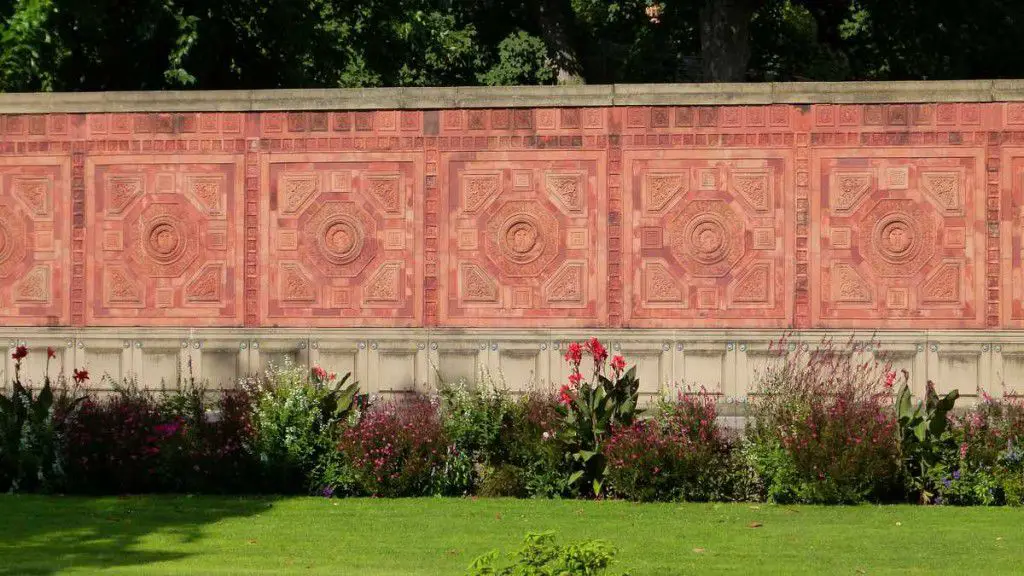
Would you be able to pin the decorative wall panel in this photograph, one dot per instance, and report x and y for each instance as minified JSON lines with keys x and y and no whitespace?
{"x":342,"y":239}
{"x":34,"y":241}
{"x":163,"y":241}
{"x":523,"y":239}
{"x":833,"y":216}
{"x":897,"y":238}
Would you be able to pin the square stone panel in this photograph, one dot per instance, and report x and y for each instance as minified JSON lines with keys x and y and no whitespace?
{"x":35,"y":241}
{"x":707,"y":238}
{"x":341,"y":234}
{"x":164,"y":241}
{"x":897,"y":256}
{"x":523,"y":239}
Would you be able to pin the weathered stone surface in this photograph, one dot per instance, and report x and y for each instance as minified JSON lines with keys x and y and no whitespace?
{"x":670,"y":207}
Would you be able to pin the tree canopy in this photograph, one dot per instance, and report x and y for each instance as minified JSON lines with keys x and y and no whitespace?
{"x":70,"y":45}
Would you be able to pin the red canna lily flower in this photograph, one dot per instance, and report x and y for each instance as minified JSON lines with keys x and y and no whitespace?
{"x":19,"y":353}
{"x":598,"y":351}
{"x":51,"y":352}
{"x":575,"y":378}
{"x":574,"y":355}
{"x":618,"y":364}
{"x":319,"y":373}
{"x":80,"y":375}
{"x":564,"y":395}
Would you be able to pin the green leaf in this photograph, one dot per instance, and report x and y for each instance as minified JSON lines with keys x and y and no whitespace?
{"x":575,"y":476}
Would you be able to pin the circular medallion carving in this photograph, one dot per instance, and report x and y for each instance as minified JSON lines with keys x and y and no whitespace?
{"x":707,"y":238}
{"x":341,"y":239}
{"x":521,"y":240}
{"x":896,"y":239}
{"x":164,"y":241}
{"x":901,"y":237}
{"x":338,"y":238}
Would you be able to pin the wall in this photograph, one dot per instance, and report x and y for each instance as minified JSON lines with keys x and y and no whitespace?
{"x":405,"y":233}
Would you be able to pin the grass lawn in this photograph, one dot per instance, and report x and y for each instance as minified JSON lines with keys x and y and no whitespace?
{"x":208,"y":535}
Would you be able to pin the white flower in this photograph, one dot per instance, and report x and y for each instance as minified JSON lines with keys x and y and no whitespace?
{"x":546,"y":435}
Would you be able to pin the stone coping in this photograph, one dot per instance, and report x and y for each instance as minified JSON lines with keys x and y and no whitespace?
{"x":518,"y":96}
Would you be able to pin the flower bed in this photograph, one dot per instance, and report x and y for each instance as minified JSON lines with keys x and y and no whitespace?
{"x":822,"y":428}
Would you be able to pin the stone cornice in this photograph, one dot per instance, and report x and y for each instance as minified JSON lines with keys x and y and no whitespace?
{"x":517,"y":97}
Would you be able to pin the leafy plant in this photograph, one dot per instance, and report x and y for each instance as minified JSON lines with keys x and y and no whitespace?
{"x":542,"y":556}
{"x":924,"y":434}
{"x":31,"y":425}
{"x":591,"y":410}
{"x":821,"y":427}
{"x":679,"y":454}
{"x":298,"y":418}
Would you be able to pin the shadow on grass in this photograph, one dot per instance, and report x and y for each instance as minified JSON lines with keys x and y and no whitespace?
{"x":42,"y":535}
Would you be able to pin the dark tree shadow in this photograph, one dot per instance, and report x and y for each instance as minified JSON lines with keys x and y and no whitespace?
{"x":42,"y":535}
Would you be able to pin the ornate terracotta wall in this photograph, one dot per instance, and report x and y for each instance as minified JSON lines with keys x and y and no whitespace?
{"x":826,"y":216}
{"x":698,"y":214}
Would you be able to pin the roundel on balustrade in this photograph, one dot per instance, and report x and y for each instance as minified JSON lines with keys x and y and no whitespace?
{"x":902,"y":237}
{"x":522,"y":238}
{"x":12,"y":243}
{"x":707,"y":238}
{"x":338,"y":238}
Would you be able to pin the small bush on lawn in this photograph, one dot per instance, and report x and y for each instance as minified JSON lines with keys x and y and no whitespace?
{"x":398,"y":449}
{"x":541,"y":555}
{"x":678,"y":454}
{"x":822,"y":428}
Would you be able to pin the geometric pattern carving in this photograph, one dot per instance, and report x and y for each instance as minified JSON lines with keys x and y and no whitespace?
{"x":885,"y":259}
{"x":754,"y":188}
{"x":943,"y":286}
{"x":718,"y":257}
{"x":754,"y":286}
{"x":567,"y":189}
{"x":165,"y":241}
{"x":511,"y":255}
{"x":566,"y":285}
{"x":357,"y":227}
{"x":849,"y":189}
{"x":660,"y":189}
{"x":35,"y":226}
{"x":848,"y":286}
{"x":659,"y":285}
{"x":944,"y":187}
{"x":476,"y":285}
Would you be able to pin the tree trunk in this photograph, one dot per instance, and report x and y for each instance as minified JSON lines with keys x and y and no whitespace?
{"x":554,"y":22}
{"x":725,"y":39}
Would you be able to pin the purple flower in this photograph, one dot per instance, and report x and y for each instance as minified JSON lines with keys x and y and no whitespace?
{"x":956,"y":475}
{"x":946,"y":482}
{"x":327,"y":492}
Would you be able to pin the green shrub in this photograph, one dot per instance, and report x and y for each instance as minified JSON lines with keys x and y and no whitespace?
{"x":678,"y":454}
{"x":473,"y":418}
{"x":541,"y":556}
{"x":298,"y":416}
{"x":822,"y":428}
{"x":503,"y":481}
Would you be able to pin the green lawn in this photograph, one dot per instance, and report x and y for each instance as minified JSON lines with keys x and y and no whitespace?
{"x":207,"y":535}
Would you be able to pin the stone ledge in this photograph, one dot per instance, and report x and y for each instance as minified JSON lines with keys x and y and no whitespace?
{"x":517,"y":97}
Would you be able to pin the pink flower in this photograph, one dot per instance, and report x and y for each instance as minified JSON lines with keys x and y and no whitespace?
{"x":574,"y":354}
{"x":618,"y":364}
{"x":890,"y":379}
{"x":565,"y":395}
{"x":963,"y":450}
{"x":80,"y":375}
{"x":319,"y":373}
{"x":598,"y":351}
{"x":575,"y":378}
